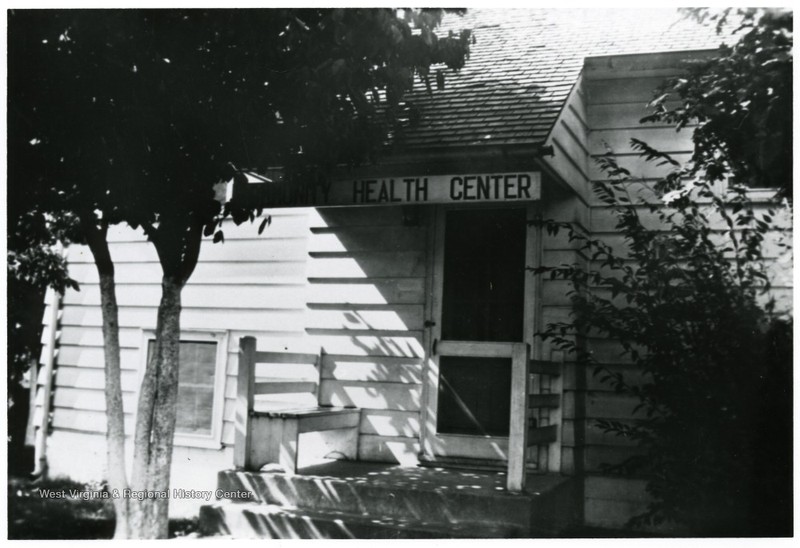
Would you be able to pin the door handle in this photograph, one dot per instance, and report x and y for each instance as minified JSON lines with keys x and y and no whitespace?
{"x":433,"y":348}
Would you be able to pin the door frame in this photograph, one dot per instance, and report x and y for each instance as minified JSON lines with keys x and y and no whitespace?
{"x":435,"y":446}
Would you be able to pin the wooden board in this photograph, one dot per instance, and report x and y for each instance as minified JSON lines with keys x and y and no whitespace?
{"x":144,"y":317}
{"x":408,"y":345}
{"x":388,"y":449}
{"x":355,"y":239}
{"x":89,"y":399}
{"x":289,"y":248}
{"x":619,"y":141}
{"x":615,"y":91}
{"x":390,"y":423}
{"x":200,"y":296}
{"x":372,"y":368}
{"x":370,"y":395}
{"x":206,"y":272}
{"x":393,"y":318}
{"x":366,"y":264}
{"x":373,"y":291}
{"x":91,"y":378}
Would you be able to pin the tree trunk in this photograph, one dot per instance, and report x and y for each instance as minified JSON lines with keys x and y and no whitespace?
{"x":115,"y":419}
{"x":155,"y":425}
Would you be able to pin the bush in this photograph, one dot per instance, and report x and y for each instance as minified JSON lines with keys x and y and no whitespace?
{"x":683,"y":299}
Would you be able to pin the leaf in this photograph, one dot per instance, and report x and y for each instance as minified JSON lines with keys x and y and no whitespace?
{"x":219,"y":237}
{"x":263,"y":225}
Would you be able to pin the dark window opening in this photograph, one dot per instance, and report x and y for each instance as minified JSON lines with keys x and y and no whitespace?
{"x":474,"y":396}
{"x":484,"y":275}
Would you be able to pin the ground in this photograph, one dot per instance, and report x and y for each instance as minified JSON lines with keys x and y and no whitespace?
{"x":33,"y":516}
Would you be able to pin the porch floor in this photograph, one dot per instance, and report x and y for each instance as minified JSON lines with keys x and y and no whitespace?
{"x":429,"y":478}
{"x":354,"y":499}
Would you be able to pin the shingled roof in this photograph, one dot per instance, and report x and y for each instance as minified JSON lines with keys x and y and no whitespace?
{"x":524,"y":64}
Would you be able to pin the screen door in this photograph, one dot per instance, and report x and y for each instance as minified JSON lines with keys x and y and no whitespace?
{"x":479,"y":300}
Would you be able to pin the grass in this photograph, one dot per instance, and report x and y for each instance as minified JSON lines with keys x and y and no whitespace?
{"x":32,"y":516}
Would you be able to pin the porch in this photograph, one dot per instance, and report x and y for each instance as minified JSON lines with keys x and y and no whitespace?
{"x":345,"y":499}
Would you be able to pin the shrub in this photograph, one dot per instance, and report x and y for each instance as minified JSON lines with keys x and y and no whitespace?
{"x":683,"y":298}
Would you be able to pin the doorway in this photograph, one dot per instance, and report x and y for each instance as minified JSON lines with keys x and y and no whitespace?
{"x":481,"y":296}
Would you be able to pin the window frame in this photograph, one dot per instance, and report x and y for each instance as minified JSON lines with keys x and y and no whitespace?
{"x":214,"y":439}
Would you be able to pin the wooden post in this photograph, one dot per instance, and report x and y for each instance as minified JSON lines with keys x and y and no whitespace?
{"x":40,"y":447}
{"x":518,"y":427}
{"x":245,"y":382}
{"x":30,"y":429}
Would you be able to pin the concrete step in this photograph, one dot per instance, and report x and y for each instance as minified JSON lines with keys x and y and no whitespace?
{"x":435,"y":496}
{"x":242,"y":521}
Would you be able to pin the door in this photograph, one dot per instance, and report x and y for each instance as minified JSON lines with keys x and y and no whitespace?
{"x":481,"y":294}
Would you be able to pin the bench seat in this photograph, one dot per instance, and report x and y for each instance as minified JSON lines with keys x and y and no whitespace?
{"x":268,"y":431}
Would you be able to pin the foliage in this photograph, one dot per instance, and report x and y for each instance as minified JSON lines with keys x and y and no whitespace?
{"x":138,"y":113}
{"x":34,"y":264}
{"x":682,"y":300}
{"x":741,"y":99}
{"x":136,"y":116}
{"x":709,"y":359}
{"x":32,"y":516}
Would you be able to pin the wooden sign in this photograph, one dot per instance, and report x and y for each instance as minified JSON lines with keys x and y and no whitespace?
{"x":433,"y":189}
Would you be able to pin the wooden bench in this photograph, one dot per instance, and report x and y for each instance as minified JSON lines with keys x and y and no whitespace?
{"x":269,"y":431}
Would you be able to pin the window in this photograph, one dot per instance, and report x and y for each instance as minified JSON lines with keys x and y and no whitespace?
{"x":201,"y":378}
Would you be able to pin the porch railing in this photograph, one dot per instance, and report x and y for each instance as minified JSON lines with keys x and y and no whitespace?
{"x":522,"y":434}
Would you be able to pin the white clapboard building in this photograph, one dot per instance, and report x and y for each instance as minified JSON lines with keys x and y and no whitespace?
{"x":400,"y":293}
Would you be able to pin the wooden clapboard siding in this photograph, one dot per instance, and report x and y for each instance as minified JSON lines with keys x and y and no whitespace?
{"x":353,"y":239}
{"x":371,"y":291}
{"x":79,"y":420}
{"x":129,"y":337}
{"x":637,"y":165}
{"x":89,"y":399}
{"x":85,"y":378}
{"x":274,"y":320}
{"x":275,"y":296}
{"x":371,"y":264}
{"x":388,"y":448}
{"x":565,"y":202}
{"x":390,"y":423}
{"x":615,"y":100}
{"x":620,"y":116}
{"x":663,"y":139}
{"x":389,"y":369}
{"x":569,"y":140}
{"x":250,"y":284}
{"x":371,"y":395}
{"x":614,"y":91}
{"x":365,"y":308}
{"x":248,"y":272}
{"x":392,"y":318}
{"x":285,"y":248}
{"x":91,"y":357}
{"x":285,"y":222}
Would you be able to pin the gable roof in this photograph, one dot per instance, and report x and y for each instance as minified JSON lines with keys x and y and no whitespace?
{"x":524,"y":64}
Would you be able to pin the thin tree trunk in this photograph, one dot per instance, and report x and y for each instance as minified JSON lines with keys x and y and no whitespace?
{"x":115,"y":419}
{"x":155,"y":426}
{"x":177,"y":243}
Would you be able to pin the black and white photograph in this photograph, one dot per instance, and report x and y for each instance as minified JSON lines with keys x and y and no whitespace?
{"x":399,"y":273}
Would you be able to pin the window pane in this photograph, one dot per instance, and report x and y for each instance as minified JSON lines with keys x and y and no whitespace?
{"x":484,"y":275}
{"x":474,"y":396}
{"x":196,"y":374}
